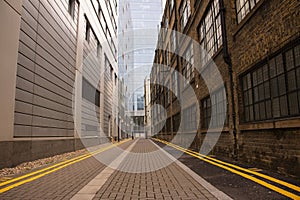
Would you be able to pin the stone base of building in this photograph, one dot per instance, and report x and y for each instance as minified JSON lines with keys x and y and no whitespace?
{"x":22,"y":150}
{"x":275,"y":150}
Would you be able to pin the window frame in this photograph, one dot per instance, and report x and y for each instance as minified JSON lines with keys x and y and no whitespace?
{"x":279,"y":91}
{"x":72,"y":6}
{"x":88,"y":30}
{"x":175,"y":84}
{"x":87,"y":89}
{"x":171,"y":7}
{"x":211,"y":39}
{"x":190,"y":118}
{"x":188,"y":64}
{"x":246,"y":12}
{"x":217,"y":100}
{"x":185,"y":13}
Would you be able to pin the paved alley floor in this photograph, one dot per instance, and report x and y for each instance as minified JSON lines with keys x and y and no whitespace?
{"x":135,"y":169}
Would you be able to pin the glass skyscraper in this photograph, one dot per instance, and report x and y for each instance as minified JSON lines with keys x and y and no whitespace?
{"x":137,"y":44}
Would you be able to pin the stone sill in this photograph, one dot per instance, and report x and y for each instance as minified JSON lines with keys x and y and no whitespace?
{"x":284,"y":123}
{"x":214,"y":130}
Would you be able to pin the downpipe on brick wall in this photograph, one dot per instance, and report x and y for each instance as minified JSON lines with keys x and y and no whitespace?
{"x":227,"y":60}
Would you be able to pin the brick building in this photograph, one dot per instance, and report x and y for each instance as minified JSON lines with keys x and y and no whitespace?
{"x":255,"y":45}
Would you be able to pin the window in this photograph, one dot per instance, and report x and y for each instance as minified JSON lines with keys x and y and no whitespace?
{"x":210,"y":31}
{"x":190,"y":118}
{"x":273,"y":90}
{"x":167,"y":55}
{"x":116,"y":5}
{"x":175,"y":83}
{"x":87,"y":29}
{"x":93,"y":40}
{"x":171,"y":6}
{"x":108,"y":68}
{"x":90,"y":93}
{"x":168,"y":125}
{"x":185,"y":12}
{"x":188,"y":64}
{"x":173,"y":41}
{"x":100,"y":14}
{"x":166,"y":26}
{"x":73,"y":9}
{"x":99,"y":50}
{"x":111,"y":72}
{"x":140,"y":102}
{"x":243,"y":7}
{"x":102,"y":19}
{"x":96,"y":5}
{"x":168,"y":94}
{"x":214,"y":109}
{"x":176,"y":122}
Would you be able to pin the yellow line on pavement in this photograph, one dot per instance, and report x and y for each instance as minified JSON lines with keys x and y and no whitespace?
{"x":56,"y":167}
{"x":221,"y":165}
{"x":39,"y":171}
{"x":255,"y":169}
{"x":289,"y":185}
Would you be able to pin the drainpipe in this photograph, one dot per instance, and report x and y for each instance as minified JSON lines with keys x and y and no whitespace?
{"x":178,"y":61}
{"x":227,"y":60}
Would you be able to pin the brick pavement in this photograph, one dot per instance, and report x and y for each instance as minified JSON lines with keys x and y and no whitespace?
{"x":97,"y":181}
{"x":169,"y":182}
{"x":62,"y":184}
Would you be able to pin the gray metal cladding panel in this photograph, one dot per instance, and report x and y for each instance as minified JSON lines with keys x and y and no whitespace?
{"x":34,"y":3}
{"x":22,"y":131}
{"x":30,"y":8}
{"x":24,"y":84}
{"x":59,"y":35}
{"x":46,"y":55}
{"x":60,"y":7}
{"x":53,"y":87}
{"x":26,"y":62}
{"x":26,"y":71}
{"x":23,"y":119}
{"x":45,"y":71}
{"x":26,"y":39}
{"x":23,"y":107}
{"x":59,"y":58}
{"x":53,"y":132}
{"x":25,"y":50}
{"x":56,"y":97}
{"x":29,"y":19}
{"x":29,"y":30}
{"x":23,"y":95}
{"x":58,"y":20}
{"x":51,"y":123}
{"x":60,"y":48}
{"x":47,"y":103}
{"x":57,"y":78}
{"x":58,"y":70}
{"x":49,"y":113}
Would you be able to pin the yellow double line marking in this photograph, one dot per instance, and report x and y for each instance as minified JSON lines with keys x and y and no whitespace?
{"x":234,"y":169}
{"x":48,"y":170}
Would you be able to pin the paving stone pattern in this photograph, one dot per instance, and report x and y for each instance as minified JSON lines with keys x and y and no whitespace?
{"x":170,"y":182}
{"x":62,"y":184}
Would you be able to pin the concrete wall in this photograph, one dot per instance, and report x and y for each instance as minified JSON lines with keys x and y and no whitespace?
{"x":10,"y":12}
